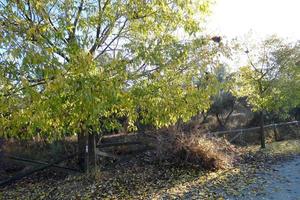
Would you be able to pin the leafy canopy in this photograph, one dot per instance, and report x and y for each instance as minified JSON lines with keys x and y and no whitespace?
{"x":270,"y":81}
{"x":68,"y":64}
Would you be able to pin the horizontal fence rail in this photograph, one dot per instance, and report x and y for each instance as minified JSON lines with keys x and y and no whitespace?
{"x":253,"y":128}
{"x":16,"y":158}
{"x":41,"y":167}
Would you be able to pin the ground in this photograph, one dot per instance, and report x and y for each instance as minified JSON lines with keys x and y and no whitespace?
{"x":269,"y":174}
{"x":282,"y":182}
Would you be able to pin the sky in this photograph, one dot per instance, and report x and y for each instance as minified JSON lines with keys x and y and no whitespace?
{"x":235,"y":18}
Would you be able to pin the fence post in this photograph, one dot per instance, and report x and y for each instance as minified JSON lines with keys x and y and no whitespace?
{"x":261,"y":128}
{"x":277,"y":137}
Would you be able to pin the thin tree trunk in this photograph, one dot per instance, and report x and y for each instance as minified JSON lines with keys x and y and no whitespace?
{"x":220,"y":122}
{"x":92,"y":150}
{"x":83,"y":149}
{"x":262,"y":132}
{"x":204,"y":115}
{"x":228,"y":116}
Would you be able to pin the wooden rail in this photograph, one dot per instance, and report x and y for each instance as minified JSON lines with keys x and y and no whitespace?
{"x":253,"y":128}
{"x":12,"y":157}
{"x":114,"y":144}
{"x":21,"y":175}
{"x":134,"y":144}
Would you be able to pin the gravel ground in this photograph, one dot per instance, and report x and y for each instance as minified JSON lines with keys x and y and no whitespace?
{"x":282,"y":182}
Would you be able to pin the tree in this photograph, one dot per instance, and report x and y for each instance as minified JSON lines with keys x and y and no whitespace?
{"x":264,"y":80}
{"x":222,"y":107}
{"x":223,"y":102}
{"x":289,"y":77}
{"x":67,"y":64}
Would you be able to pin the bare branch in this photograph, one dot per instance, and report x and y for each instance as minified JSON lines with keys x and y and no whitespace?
{"x":116,"y":37}
{"x":98,"y":30}
{"x":75,"y":23}
{"x":58,"y":51}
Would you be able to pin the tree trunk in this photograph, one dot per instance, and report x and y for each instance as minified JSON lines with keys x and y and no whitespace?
{"x":221,"y":125}
{"x":92,"y":150}
{"x":83,"y":149}
{"x":262,"y":132}
{"x":228,"y":116}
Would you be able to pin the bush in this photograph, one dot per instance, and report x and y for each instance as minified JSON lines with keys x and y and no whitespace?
{"x":196,"y":149}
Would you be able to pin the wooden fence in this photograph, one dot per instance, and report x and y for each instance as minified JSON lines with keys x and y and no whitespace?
{"x":132,"y":145}
{"x":244,"y":130}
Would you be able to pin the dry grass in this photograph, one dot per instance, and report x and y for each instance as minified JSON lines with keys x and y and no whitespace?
{"x":202,"y":150}
{"x":196,"y":149}
{"x":281,"y":148}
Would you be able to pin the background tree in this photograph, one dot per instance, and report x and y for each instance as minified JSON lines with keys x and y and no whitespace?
{"x":67,"y":64}
{"x":289,"y":77}
{"x":223,"y":102}
{"x":264,"y":80}
{"x":223,"y":106}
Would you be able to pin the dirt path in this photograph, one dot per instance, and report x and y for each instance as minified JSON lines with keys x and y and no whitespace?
{"x":281,"y":182}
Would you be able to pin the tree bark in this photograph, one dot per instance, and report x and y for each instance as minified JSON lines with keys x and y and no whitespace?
{"x":262,"y":132}
{"x":220,"y":122}
{"x":83,"y":149}
{"x":92,"y":150}
{"x":228,"y":116}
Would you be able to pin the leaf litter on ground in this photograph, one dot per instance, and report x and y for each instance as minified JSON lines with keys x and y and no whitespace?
{"x":156,"y":181}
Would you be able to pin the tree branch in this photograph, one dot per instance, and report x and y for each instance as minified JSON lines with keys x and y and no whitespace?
{"x":98,"y":30}
{"x":116,"y":37}
{"x":75,"y":23}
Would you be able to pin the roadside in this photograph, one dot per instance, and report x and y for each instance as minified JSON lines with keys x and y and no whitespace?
{"x":281,"y":181}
